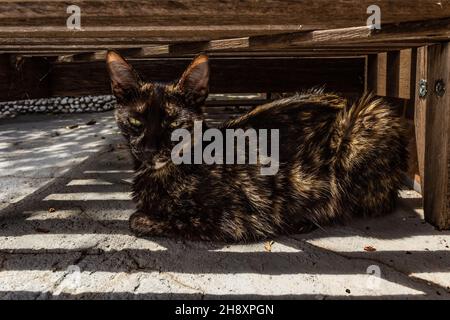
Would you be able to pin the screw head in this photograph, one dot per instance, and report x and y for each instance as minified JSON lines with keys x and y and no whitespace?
{"x":423,"y":90}
{"x":440,"y":88}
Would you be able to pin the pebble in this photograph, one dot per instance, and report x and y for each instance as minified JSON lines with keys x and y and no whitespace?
{"x":10,"y":109}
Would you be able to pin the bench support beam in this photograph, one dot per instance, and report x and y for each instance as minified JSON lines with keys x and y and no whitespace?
{"x":432,"y":123}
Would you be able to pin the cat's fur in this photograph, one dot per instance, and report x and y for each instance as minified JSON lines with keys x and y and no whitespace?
{"x":336,"y":161}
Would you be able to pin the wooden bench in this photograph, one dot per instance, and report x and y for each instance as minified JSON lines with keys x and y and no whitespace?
{"x":255,"y":46}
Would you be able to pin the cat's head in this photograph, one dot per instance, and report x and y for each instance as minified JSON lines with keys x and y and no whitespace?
{"x":147,"y":112}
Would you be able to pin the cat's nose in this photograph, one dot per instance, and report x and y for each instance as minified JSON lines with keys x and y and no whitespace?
{"x":149,"y":147}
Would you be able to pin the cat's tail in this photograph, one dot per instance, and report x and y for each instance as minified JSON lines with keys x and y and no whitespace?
{"x":370,"y":154}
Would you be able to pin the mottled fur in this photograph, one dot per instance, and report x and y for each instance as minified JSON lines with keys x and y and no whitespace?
{"x":336,"y":162}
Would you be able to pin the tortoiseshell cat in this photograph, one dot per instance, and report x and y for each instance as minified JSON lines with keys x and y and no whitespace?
{"x":336,"y":161}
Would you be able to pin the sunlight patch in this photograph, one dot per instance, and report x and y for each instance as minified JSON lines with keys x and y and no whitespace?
{"x":89,"y":196}
{"x":89,"y":182}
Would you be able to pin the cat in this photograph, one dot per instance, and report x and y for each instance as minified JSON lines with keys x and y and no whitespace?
{"x":336,"y":161}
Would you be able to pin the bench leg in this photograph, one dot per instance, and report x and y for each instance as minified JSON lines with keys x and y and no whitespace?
{"x":432,"y":124}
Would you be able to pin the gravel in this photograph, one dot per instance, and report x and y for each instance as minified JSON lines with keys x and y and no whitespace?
{"x":10,"y":109}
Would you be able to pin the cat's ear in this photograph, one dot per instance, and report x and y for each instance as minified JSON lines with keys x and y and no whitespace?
{"x":125,"y":81}
{"x":195,"y":80}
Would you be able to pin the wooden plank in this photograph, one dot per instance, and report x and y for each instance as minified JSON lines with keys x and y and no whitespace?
{"x":420,"y":111}
{"x":208,"y":46}
{"x":161,"y":51}
{"x":417,"y":33}
{"x":390,"y":74}
{"x":433,"y":134}
{"x":270,"y":36}
{"x":157,"y":33}
{"x":255,"y":74}
{"x":320,"y":14}
{"x":104,"y":41}
{"x":408,"y":114}
{"x":372,"y":73}
{"x":381,"y":89}
{"x":101,"y":55}
{"x":192,"y":47}
{"x":399,"y":74}
{"x":183,"y":49}
{"x":405,"y":74}
{"x":422,"y":31}
{"x":235,"y":47}
{"x":393,"y":74}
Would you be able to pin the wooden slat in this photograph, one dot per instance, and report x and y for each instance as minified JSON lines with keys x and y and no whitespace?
{"x":426,"y":30}
{"x":188,"y":48}
{"x":193,"y":48}
{"x":390,"y":74}
{"x":393,"y":74}
{"x":101,"y":55}
{"x":255,"y":74}
{"x":420,"y":111}
{"x":156,"y":33}
{"x":160,"y":51}
{"x":435,"y":30}
{"x":381,"y":89}
{"x":405,"y":74}
{"x":415,"y":32}
{"x":204,"y":18}
{"x":408,"y":114}
{"x":403,"y":32}
{"x":398,"y":74}
{"x":433,"y":134}
{"x":372,"y":73}
{"x":208,"y":46}
{"x":130,"y":54}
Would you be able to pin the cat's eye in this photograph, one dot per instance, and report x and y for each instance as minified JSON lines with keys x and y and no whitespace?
{"x":135,"y":122}
{"x":175,"y":124}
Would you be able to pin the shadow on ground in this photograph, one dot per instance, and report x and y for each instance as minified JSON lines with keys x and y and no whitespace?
{"x":79,"y":222}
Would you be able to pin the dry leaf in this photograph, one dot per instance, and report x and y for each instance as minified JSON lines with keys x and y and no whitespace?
{"x":369,"y":249}
{"x":268,"y":246}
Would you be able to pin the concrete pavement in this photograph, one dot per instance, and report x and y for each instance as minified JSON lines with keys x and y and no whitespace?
{"x":64,"y":234}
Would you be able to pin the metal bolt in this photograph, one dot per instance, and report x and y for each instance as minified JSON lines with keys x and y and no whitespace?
{"x":423,"y":90}
{"x":440,"y":88}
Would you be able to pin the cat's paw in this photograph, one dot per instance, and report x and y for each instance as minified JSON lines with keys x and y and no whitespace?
{"x":143,"y":225}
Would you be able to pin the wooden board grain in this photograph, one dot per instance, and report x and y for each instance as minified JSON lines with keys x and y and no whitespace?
{"x":390,"y":74}
{"x":420,"y":110}
{"x":152,"y":21}
{"x":318,"y":14}
{"x":254,"y":74}
{"x":393,"y":73}
{"x":433,"y":134}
